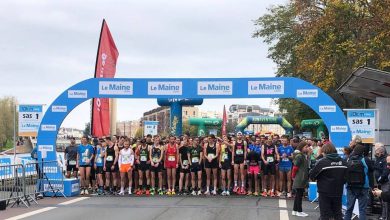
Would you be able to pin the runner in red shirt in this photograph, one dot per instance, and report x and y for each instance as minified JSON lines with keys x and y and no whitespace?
{"x":171,"y":159}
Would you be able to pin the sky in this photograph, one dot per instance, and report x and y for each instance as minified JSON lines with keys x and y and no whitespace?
{"x":48,"y":46}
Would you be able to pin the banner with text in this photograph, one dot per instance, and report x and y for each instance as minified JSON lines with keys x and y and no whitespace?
{"x":150,"y":127}
{"x":362,"y":123}
{"x":30,"y":117}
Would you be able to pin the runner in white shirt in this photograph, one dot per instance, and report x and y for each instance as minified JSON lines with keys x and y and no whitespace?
{"x":126,"y":162}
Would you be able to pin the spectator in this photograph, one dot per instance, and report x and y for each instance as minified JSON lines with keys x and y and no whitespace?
{"x":300,"y":177}
{"x":381,"y":173}
{"x":347,"y":152}
{"x":359,"y":179}
{"x":384,"y":194}
{"x":329,"y":174}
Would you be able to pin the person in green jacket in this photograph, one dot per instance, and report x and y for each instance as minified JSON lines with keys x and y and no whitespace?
{"x":300,"y":175}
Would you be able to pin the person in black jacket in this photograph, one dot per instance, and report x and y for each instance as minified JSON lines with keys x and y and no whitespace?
{"x":384,"y":194}
{"x":381,"y":173}
{"x":330,"y":175}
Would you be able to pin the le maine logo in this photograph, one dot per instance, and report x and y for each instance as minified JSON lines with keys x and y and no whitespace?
{"x":307,"y":93}
{"x":116,"y":88}
{"x":80,"y":94}
{"x":165,"y":88}
{"x":265,"y":87}
{"x":215,"y":88}
{"x":59,"y":108}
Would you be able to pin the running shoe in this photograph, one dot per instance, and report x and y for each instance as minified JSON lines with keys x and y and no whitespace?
{"x":294,"y":213}
{"x":242,"y":191}
{"x":138,"y":192}
{"x":236,"y":189}
{"x":302,"y":214}
{"x":264,"y":194}
{"x":82,"y":192}
{"x":152,"y":191}
{"x":130,"y":192}
{"x":193,"y":193}
{"x":121,"y":193}
{"x":289,"y":195}
{"x":169,"y":192}
{"x":227,"y":192}
{"x":173,"y":192}
{"x":272,"y":194}
{"x":160,"y":192}
{"x":223,"y":193}
{"x":86,"y":192}
{"x":214,"y":192}
{"x":256,"y":194}
{"x":199,"y":192}
{"x":207,"y":192}
{"x":147,"y":192}
{"x":249,"y":193}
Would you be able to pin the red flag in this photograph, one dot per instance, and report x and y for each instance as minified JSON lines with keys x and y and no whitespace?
{"x":105,"y":68}
{"x":224,"y":120}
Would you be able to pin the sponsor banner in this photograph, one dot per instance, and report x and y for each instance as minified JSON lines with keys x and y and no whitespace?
{"x":59,"y":108}
{"x":45,"y":147}
{"x":165,"y":88}
{"x":327,"y":108}
{"x":78,"y":94}
{"x":150,"y":127}
{"x":48,"y":127}
{"x":307,"y":93}
{"x":116,"y":88}
{"x":265,"y":87}
{"x":338,"y":128}
{"x":215,"y":88}
{"x":75,"y":187}
{"x":30,"y":117}
{"x":362,"y":122}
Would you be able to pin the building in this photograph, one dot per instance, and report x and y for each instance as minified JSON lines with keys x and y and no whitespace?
{"x":210,"y":114}
{"x":127,"y":128}
{"x":66,"y":133}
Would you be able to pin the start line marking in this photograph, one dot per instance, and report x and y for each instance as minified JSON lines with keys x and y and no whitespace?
{"x":28,"y":214}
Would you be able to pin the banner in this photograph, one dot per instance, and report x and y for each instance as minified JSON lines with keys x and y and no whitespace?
{"x":150,"y":127}
{"x":362,"y":122}
{"x":105,"y":68}
{"x":224,"y":119}
{"x":30,"y":117}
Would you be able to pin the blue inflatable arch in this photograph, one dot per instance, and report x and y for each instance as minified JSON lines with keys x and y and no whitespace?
{"x":208,"y":88}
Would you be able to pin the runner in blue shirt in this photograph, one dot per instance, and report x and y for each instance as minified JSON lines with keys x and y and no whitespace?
{"x":84,"y":157}
{"x":99,"y":157}
{"x":286,"y":155}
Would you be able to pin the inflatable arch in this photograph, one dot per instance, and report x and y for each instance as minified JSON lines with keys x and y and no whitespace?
{"x":206,"y":88}
{"x":202,"y":123}
{"x":265,"y":120}
{"x":317,"y":124}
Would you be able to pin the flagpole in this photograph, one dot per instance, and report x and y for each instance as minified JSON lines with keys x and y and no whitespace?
{"x":14,"y":131}
{"x":96,"y":63}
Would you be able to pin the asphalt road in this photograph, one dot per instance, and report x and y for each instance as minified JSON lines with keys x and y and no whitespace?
{"x":170,"y":208}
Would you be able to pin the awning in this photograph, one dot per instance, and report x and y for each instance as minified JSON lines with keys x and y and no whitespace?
{"x":367,"y":83}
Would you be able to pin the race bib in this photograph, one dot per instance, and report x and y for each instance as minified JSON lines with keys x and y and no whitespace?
{"x":72,"y":162}
{"x":155,"y":159}
{"x":171,"y":158}
{"x":239,"y":152}
{"x":210,"y":156}
{"x":270,"y":159}
{"x":126,"y":159}
{"x":195,"y":160}
{"x":225,"y":157}
{"x":110,"y":158}
{"x":285,"y":159}
{"x":143,"y":158}
{"x":84,"y":159}
{"x":185,"y":162}
{"x":99,"y":160}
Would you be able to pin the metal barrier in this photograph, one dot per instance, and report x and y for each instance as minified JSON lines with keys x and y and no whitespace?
{"x":25,"y":183}
{"x":12,"y":184}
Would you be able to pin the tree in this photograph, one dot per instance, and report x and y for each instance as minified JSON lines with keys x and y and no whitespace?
{"x":191,"y":129}
{"x":139,"y":133}
{"x":7,"y":108}
{"x":231,"y":126}
{"x":87,"y":129}
{"x":323,"y":42}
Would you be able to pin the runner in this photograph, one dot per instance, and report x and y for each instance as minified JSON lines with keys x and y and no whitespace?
{"x":143,"y":158}
{"x":195,"y":156}
{"x":211,"y":152}
{"x":171,"y":164}
{"x":225,"y":164}
{"x":71,"y":159}
{"x":126,"y":161}
{"x":84,"y":157}
{"x":134,"y":145}
{"x":239,"y":158}
{"x":254,"y":162}
{"x":111,"y":165}
{"x":184,"y":165}
{"x":286,"y":155}
{"x":269,"y":155}
{"x":100,"y":151}
{"x":156,"y":157}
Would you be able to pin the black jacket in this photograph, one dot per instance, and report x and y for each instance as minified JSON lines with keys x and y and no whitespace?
{"x":330,"y":174}
{"x":380,"y":170}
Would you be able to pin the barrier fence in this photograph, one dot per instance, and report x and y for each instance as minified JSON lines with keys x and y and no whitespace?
{"x":25,"y":183}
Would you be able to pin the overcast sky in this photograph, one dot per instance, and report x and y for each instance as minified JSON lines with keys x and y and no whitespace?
{"x":48,"y":46}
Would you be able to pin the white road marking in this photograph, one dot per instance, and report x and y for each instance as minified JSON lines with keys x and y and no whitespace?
{"x":282,"y":203}
{"x":73,"y":201}
{"x":284,"y":215}
{"x":25,"y":215}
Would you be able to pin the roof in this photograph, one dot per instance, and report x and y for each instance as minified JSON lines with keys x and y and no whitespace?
{"x":367,"y":83}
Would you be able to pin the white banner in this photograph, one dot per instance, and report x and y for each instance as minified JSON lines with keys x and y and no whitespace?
{"x":30,"y":117}
{"x":362,"y":122}
{"x":150,"y":127}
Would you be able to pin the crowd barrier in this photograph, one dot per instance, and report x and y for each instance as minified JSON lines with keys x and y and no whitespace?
{"x":25,"y":183}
